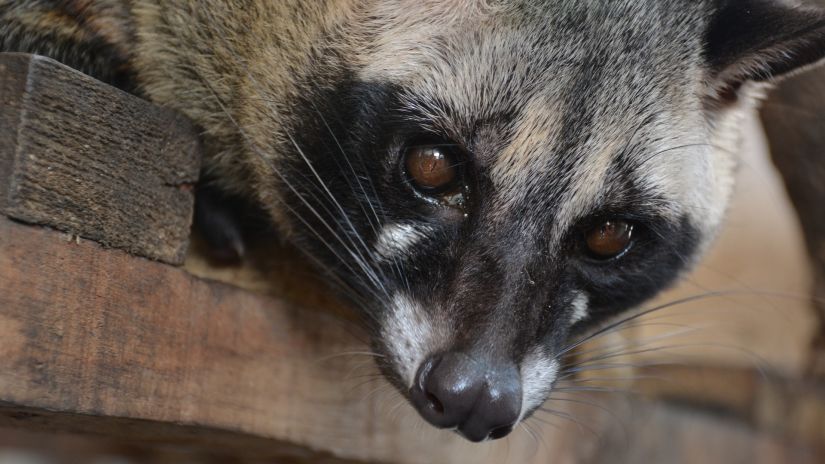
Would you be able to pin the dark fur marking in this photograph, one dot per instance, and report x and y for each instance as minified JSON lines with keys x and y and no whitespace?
{"x":758,"y":33}
{"x":88,"y":52}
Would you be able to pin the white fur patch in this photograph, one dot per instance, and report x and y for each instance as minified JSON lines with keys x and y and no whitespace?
{"x":410,"y":335}
{"x":538,"y":372}
{"x":580,"y":308}
{"x":397,"y":239}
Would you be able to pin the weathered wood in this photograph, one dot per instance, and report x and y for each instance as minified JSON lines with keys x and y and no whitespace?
{"x":89,"y":159}
{"x":794,"y":120}
{"x":156,"y":435}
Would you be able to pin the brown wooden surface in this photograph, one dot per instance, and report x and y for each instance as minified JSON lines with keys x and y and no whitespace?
{"x":91,"y":160}
{"x":94,"y":340}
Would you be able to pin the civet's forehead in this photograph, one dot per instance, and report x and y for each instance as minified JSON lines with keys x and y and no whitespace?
{"x":576,"y":105}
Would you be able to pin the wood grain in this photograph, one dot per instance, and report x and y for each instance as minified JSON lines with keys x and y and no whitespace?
{"x":89,"y":159}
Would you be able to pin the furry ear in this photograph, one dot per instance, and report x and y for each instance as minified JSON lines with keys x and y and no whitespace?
{"x":760,"y":40}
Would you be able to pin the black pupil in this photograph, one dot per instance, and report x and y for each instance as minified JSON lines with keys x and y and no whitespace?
{"x":609,"y":239}
{"x":430,"y":168}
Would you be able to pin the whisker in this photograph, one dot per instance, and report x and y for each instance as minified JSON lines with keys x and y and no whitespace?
{"x":661,"y":307}
{"x":348,"y":353}
{"x":369,"y":270}
{"x":533,"y":436}
{"x":600,"y":350}
{"x":598,"y":380}
{"x":570,"y":373}
{"x":294,"y":190}
{"x":589,"y":389}
{"x":373,"y":225}
{"x":591,"y":404}
{"x":563,"y":415}
{"x":606,"y":352}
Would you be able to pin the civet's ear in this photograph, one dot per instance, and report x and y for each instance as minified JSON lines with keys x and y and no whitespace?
{"x":761,"y":40}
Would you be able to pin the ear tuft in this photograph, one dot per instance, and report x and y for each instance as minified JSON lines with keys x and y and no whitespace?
{"x":761,"y":40}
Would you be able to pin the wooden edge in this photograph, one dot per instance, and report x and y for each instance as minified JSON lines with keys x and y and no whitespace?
{"x":12,"y":87}
{"x":153,"y":434}
{"x":84,"y":157}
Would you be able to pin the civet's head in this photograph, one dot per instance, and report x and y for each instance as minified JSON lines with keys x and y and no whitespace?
{"x":506,"y":174}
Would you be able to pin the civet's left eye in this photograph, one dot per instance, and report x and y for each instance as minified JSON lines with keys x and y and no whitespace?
{"x":432,"y":169}
{"x":609,"y":239}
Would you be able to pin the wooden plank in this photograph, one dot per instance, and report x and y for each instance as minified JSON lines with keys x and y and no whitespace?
{"x":89,"y":159}
{"x":53,"y":428}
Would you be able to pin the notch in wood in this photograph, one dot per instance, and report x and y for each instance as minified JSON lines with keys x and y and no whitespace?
{"x":86,"y":158}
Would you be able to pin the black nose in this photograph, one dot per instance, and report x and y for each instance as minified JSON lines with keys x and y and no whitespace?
{"x":482,"y":399}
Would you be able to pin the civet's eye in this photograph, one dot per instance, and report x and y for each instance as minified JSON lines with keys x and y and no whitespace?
{"x":432,"y":169}
{"x":609,"y":239}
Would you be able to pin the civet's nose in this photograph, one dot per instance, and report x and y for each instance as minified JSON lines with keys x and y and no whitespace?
{"x":482,"y":399}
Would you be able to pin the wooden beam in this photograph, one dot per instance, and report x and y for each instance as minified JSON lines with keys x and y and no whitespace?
{"x":89,"y":159}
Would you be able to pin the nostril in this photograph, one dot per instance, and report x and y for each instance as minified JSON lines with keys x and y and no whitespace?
{"x":445,"y":389}
{"x":500,"y":432}
{"x":423,"y":374}
{"x":434,"y":403}
{"x":426,"y":398}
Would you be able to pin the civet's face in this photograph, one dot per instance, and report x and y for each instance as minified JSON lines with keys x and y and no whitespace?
{"x":505,"y":179}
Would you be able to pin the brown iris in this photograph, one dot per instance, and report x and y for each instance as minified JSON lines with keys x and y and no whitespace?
{"x":431,"y":168}
{"x":609,"y":239}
